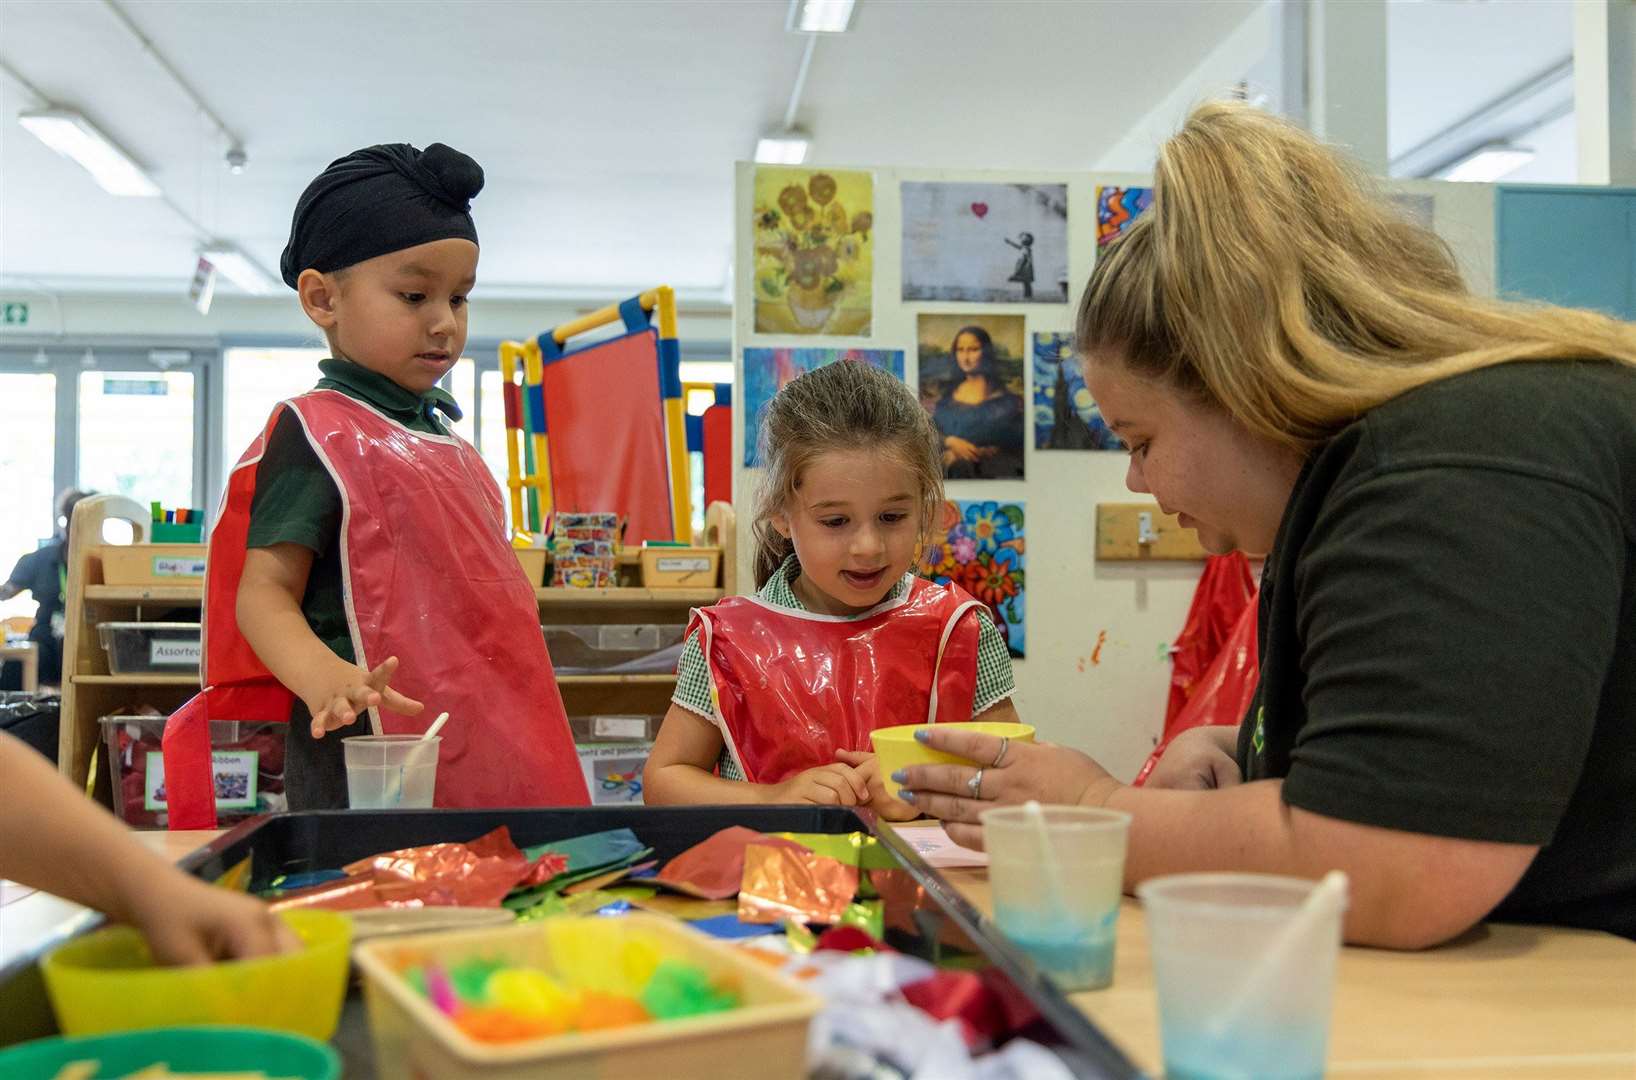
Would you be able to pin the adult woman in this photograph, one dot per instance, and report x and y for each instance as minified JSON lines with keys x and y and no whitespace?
{"x":980,"y":420}
{"x":1447,"y":489}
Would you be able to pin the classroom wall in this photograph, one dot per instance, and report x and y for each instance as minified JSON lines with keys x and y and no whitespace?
{"x":1108,"y":702}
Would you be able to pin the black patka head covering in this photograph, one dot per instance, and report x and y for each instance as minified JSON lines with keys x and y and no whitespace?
{"x":381,"y":199}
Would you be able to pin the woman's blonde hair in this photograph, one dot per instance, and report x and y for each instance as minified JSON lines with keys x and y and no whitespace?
{"x":1272,"y":279}
{"x":842,"y":406}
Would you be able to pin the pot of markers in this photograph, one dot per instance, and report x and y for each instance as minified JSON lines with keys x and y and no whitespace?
{"x":390,"y":771}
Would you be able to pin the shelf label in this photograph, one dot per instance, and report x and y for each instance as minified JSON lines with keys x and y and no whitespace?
{"x":680,"y":564}
{"x":619,"y":727}
{"x":234,"y":772}
{"x":178,"y":566}
{"x":174,"y":653}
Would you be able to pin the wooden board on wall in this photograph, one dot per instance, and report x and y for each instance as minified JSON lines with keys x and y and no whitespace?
{"x":1119,"y":535}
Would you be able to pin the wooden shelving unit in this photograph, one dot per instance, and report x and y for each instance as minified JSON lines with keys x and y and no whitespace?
{"x":90,"y":691}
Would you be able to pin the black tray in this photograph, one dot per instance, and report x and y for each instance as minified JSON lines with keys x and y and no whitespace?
{"x":944,"y":923}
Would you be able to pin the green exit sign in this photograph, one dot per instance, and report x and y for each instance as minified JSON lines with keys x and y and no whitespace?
{"x":13,"y":314}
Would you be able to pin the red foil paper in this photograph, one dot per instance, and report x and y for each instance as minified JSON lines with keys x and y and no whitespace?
{"x":713,"y":869}
{"x":963,"y":996}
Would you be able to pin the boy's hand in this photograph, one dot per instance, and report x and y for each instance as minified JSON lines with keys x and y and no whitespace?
{"x":348,"y":690}
{"x":826,"y":785}
{"x":868,"y":767}
{"x":189,"y":922}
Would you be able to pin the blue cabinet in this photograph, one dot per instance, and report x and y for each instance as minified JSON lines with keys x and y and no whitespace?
{"x":1568,"y":245}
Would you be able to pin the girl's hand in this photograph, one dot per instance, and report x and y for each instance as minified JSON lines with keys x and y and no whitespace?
{"x":189,"y":922}
{"x":1038,"y":771}
{"x":892,"y":809}
{"x":960,"y":449}
{"x":348,"y":690}
{"x":1197,"y":760}
{"x":835,"y":784}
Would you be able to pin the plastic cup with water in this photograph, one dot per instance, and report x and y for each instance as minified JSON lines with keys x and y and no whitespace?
{"x":1244,"y":965}
{"x":387,"y":771}
{"x":1056,"y":874}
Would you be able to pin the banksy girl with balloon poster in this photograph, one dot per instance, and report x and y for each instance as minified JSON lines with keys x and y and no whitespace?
{"x":985,"y":243}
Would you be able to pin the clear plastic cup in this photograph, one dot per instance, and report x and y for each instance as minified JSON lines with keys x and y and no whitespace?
{"x":1057,"y":889}
{"x":1208,"y":934}
{"x":385,"y":771}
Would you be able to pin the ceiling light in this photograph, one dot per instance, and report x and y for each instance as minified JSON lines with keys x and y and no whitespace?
{"x":237,"y":160}
{"x":820,"y":16}
{"x":1488,"y":163}
{"x":78,"y":140}
{"x":783,"y":147}
{"x":239,"y":268}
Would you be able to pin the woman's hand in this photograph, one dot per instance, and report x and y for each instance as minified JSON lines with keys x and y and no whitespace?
{"x":957,"y":449}
{"x":868,"y":767}
{"x":1197,"y":760}
{"x":1040,"y":771}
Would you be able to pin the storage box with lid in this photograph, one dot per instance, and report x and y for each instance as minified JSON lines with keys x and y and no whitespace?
{"x":614,"y":649}
{"x":247,"y":768}
{"x":612,"y":752}
{"x":151,"y":648}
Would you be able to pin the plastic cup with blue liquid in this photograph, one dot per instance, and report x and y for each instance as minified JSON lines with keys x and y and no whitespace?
{"x":1244,"y":965}
{"x":1056,"y":875}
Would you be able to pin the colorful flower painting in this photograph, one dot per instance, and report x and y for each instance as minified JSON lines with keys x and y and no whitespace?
{"x":981,"y":549}
{"x":814,"y":252}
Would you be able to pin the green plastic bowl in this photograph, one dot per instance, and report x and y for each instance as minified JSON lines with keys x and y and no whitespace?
{"x":197,"y":1049}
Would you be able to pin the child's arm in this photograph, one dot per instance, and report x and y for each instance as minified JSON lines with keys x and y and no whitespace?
{"x":54,"y":838}
{"x":679,"y":771}
{"x":269,"y":617}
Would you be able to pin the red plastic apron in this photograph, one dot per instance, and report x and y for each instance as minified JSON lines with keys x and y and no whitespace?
{"x":430,"y":578}
{"x":793,"y":687}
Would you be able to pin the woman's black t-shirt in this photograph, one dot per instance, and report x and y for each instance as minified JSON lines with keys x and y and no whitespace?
{"x":1448,"y":630}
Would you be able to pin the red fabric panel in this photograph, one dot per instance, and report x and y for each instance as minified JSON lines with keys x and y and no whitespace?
{"x":607,"y":430}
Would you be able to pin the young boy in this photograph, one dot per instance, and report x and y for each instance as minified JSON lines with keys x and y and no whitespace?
{"x":361,"y":560}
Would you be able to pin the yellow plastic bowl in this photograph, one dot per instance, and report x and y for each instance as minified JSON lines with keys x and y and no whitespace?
{"x":107,"y":981}
{"x":897,"y":747}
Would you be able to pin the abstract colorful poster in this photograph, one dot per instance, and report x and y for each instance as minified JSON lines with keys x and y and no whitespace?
{"x":767,"y":371}
{"x":981,"y":548}
{"x":971,"y":382}
{"x":814,"y":252}
{"x":1116,"y":208}
{"x":990,"y":243}
{"x":1065,"y":416}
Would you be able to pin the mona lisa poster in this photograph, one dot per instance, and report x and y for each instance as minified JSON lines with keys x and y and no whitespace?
{"x":971,"y":383}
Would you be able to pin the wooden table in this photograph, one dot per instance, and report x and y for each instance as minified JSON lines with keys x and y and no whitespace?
{"x":1501,"y":1003}
{"x":27,"y":654}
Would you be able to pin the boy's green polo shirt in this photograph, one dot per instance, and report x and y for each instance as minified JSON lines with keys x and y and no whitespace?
{"x":296,"y":501}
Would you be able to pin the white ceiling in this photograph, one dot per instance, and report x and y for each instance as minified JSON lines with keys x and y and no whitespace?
{"x":607,"y":130}
{"x":1448,"y":58}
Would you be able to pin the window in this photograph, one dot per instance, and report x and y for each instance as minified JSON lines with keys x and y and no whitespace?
{"x":26,"y":473}
{"x":492,"y":444}
{"x":258,"y":379}
{"x":462,"y":383}
{"x":136,"y":435}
